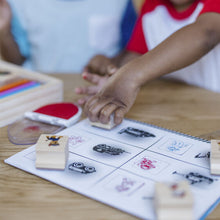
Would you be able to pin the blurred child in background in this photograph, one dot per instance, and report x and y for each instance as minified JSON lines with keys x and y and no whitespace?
{"x":59,"y":35}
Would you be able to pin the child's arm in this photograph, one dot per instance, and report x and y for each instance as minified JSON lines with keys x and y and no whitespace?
{"x":97,"y":82}
{"x":98,"y":70}
{"x":179,"y":50}
{"x":9,"y":49}
{"x":103,"y":65}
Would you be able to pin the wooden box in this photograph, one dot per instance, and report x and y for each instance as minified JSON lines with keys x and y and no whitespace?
{"x":12,"y":107}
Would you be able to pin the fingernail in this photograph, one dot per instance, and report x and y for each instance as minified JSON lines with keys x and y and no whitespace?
{"x":84,"y":75}
{"x":118,"y":121}
{"x":112,"y":70}
{"x":81,"y":102}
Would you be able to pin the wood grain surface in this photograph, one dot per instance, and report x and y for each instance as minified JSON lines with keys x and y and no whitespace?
{"x":167,"y":104}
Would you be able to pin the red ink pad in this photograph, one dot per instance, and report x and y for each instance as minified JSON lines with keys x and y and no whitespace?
{"x":62,"y":114}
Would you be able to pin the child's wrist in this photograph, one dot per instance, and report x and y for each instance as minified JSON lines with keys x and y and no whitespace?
{"x":138,"y":71}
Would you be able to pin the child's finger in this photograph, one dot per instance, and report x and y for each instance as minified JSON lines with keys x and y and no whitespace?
{"x":89,"y":90}
{"x":92,"y":90}
{"x":89,"y":103}
{"x":79,"y":90}
{"x":111,"y":69}
{"x":94,"y":106}
{"x":93,"y":78}
{"x":119,"y":115}
{"x":106,"y":111}
{"x":93,"y":65}
{"x":103,"y":69}
{"x":85,"y":69}
{"x":83,"y":100}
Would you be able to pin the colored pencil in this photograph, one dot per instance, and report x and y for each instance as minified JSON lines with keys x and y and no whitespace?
{"x":18,"y":89}
{"x":14,"y":84}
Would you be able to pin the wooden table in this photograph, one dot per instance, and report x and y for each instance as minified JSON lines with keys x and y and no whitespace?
{"x":168,"y":104}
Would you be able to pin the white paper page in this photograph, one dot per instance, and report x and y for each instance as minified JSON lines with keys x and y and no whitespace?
{"x":144,"y":154}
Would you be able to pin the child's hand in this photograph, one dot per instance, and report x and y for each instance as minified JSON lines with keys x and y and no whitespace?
{"x":97,"y":81}
{"x":5,"y":16}
{"x":101,"y":65}
{"x":116,"y":97}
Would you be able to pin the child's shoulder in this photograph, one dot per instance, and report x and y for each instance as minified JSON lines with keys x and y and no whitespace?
{"x":211,"y":6}
{"x":152,"y":5}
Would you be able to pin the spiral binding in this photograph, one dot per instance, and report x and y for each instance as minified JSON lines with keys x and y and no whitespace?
{"x":170,"y":130}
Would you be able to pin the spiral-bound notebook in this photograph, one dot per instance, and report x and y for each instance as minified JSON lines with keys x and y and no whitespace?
{"x":120,"y":167}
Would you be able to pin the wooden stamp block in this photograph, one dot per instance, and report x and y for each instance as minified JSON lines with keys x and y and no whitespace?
{"x":215,"y":157}
{"x":107,"y":126}
{"x":52,"y":152}
{"x":173,"y":201}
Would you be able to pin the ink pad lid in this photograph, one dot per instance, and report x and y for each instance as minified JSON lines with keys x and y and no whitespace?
{"x":60,"y":114}
{"x":48,"y":119}
{"x":25,"y":131}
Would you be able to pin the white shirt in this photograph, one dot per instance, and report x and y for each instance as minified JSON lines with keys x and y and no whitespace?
{"x":63,"y":35}
{"x":158,"y":20}
{"x":203,"y":73}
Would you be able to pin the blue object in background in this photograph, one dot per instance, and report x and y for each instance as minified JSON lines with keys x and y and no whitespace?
{"x":127,"y":24}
